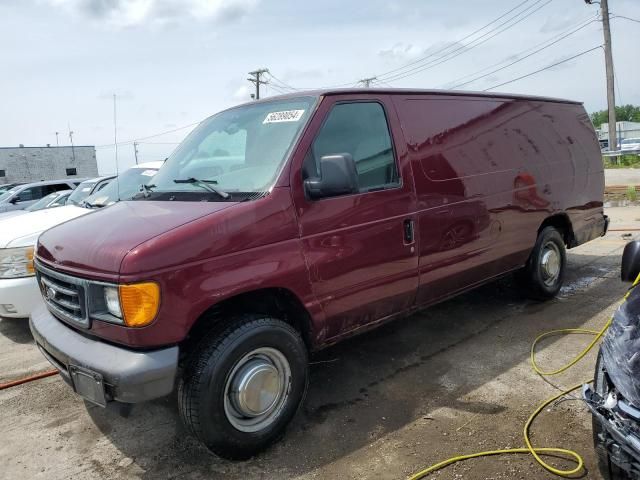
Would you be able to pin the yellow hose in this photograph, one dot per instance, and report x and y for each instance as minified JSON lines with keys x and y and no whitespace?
{"x":537,"y":452}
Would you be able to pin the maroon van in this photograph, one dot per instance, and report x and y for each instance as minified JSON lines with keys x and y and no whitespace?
{"x":285,"y":225}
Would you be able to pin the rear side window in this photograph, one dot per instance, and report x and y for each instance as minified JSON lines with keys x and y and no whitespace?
{"x":31,"y":193}
{"x":361,"y":130}
{"x":55,"y":187}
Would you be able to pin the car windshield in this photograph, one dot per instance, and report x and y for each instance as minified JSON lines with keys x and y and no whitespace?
{"x":43,"y":202}
{"x":122,"y":188}
{"x":81,"y":192}
{"x":238,"y":150}
{"x":6,"y":195}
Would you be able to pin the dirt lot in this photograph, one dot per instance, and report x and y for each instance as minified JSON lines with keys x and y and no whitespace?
{"x":454,"y":379}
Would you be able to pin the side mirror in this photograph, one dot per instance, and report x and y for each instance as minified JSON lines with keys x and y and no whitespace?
{"x":338,"y":176}
{"x":630,"y":262}
{"x":15,"y":200}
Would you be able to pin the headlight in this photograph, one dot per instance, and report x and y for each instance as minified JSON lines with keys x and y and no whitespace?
{"x":16,"y":262}
{"x":135,"y":304}
{"x":112,"y":301}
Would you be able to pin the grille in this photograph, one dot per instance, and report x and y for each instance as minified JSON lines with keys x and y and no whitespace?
{"x":64,"y":295}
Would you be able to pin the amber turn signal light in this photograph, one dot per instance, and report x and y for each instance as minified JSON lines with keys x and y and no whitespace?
{"x":140,"y":303}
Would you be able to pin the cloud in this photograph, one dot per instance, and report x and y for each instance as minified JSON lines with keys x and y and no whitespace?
{"x":402,"y":51}
{"x":242,"y":93}
{"x":408,"y":51}
{"x":131,"y":13}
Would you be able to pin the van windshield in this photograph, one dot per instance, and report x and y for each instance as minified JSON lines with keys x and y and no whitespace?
{"x":238,"y":150}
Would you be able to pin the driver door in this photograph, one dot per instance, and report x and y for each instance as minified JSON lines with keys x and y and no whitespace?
{"x":363,"y":265}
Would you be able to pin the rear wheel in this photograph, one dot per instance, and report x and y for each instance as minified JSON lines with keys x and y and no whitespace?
{"x":608,"y":469}
{"x":544,"y":272}
{"x":243,"y":385}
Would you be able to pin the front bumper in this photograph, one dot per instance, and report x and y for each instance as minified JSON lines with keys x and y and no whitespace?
{"x":621,"y":443}
{"x":18,"y":297}
{"x":125,"y":375}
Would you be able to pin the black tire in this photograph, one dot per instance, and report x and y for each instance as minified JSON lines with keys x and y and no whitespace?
{"x":533,"y":278}
{"x":608,"y":469}
{"x":202,"y":391}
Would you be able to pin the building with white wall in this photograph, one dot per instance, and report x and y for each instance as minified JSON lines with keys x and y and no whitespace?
{"x":32,"y":164}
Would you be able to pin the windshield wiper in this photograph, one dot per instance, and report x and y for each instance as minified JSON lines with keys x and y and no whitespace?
{"x":86,"y":204}
{"x":206,"y":184}
{"x":147,"y":189}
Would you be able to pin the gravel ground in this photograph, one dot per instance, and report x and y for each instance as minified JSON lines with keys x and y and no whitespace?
{"x":453,"y":379}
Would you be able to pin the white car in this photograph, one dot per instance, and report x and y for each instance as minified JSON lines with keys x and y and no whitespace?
{"x":53,"y":200}
{"x":630,"y":145}
{"x":19,"y":292}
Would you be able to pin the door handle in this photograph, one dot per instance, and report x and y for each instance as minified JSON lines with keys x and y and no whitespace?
{"x":408,"y":231}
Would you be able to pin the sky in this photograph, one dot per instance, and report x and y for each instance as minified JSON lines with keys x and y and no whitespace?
{"x":172,"y":63}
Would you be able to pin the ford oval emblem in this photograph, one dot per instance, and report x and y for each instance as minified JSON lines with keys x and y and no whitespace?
{"x":50,"y":293}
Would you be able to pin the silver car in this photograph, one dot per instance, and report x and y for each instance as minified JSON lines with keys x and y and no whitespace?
{"x":23,"y":196}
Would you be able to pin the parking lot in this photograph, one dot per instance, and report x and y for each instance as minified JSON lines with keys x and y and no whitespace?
{"x":451,"y":380}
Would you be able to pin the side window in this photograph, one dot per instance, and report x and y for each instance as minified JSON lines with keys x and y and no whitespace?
{"x":29,"y":194}
{"x":54,"y":188}
{"x":361,"y":130}
{"x":72,"y":171}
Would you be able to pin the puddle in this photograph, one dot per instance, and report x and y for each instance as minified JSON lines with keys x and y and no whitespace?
{"x":576,"y":286}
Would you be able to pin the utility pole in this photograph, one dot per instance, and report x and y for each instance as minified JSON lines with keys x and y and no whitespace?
{"x":73,"y":152}
{"x":256,"y":79}
{"x":57,"y":143}
{"x":135,"y":151}
{"x":608,"y":61}
{"x":366,"y":82}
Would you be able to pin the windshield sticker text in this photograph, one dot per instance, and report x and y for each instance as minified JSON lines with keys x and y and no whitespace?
{"x":284,"y":116}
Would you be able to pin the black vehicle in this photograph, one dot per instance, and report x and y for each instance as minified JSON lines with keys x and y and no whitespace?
{"x":614,"y":399}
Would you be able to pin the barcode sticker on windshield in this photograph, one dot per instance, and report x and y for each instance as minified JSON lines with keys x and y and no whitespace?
{"x":284,"y":116}
{"x":148,"y":173}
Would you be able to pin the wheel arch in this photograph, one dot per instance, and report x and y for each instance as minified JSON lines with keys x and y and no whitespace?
{"x":277,"y":302}
{"x":562,"y":223}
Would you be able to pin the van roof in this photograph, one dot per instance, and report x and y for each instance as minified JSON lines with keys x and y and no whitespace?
{"x":413,"y":91}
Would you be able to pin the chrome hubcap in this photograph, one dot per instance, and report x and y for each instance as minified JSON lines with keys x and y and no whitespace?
{"x":550,"y":263}
{"x":257,"y":389}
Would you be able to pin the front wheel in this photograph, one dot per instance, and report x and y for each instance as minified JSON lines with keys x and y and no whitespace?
{"x":243,"y":385}
{"x":543,"y":274}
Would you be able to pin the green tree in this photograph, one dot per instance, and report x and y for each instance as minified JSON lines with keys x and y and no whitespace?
{"x":624,"y":113}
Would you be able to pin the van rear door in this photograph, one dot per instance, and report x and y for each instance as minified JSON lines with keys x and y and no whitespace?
{"x":360,"y":248}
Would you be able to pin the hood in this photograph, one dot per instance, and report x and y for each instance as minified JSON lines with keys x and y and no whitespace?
{"x":97,"y":243}
{"x":12,"y":213}
{"x":23,"y":230}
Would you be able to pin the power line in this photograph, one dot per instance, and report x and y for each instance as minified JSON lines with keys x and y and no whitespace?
{"x":525,"y":57}
{"x":626,"y":18}
{"x":283,"y":84}
{"x":544,"y":68}
{"x":366,"y":82}
{"x":510,"y":57}
{"x":129,"y":142}
{"x":420,"y":60}
{"x":471,"y":45}
{"x":278,"y":88}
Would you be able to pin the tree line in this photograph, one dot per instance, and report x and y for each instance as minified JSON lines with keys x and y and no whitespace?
{"x":624,"y":113}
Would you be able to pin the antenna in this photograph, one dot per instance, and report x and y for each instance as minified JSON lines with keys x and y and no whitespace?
{"x":115,"y":144}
